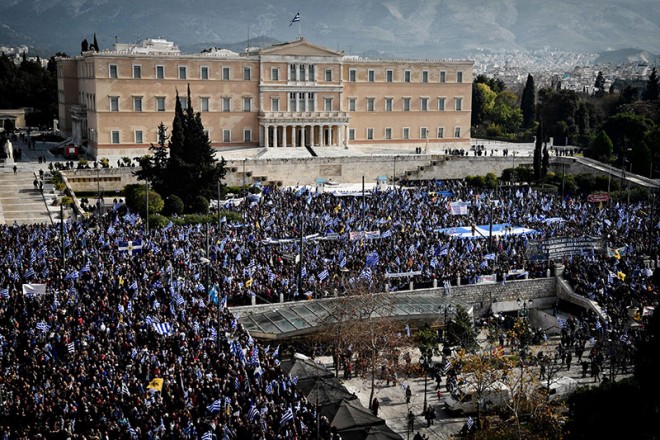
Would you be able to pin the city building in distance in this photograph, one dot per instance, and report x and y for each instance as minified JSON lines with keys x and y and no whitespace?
{"x":291,"y":95}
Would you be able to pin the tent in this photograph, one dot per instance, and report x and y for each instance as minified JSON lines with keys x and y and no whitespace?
{"x":351,"y":415}
{"x":307,"y":369}
{"x":326,"y":391}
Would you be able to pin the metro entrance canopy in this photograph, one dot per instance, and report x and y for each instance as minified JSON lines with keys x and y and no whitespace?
{"x":286,"y":320}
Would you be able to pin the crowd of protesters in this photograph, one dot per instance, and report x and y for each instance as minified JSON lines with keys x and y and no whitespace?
{"x":123,"y":309}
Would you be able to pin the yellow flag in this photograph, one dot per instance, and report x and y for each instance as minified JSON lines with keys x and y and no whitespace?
{"x":156,"y":384}
{"x":621,"y":276}
{"x":249,"y":282}
{"x":121,"y":280}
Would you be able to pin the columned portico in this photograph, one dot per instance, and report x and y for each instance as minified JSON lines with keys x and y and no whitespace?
{"x":314,"y":129}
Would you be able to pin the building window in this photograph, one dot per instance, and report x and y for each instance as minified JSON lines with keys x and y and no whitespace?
{"x":226,"y":104}
{"x":351,"y":134}
{"x":388,"y":133}
{"x":226,"y":135}
{"x":247,"y":74}
{"x":293,"y":102}
{"x":137,"y":72}
{"x":424,"y":104}
{"x":137,"y":103}
{"x":184,"y":103}
{"x":407,"y":76}
{"x":441,"y":104}
{"x":457,"y":132}
{"x":204,"y":72}
{"x":114,"y":103}
{"x":247,"y":104}
{"x":458,"y":104}
{"x":274,"y":104}
{"x":389,"y":104}
{"x":160,"y":72}
{"x":204,"y":104}
{"x":327,"y":104}
{"x":352,"y":75}
{"x":328,"y":75}
{"x":351,"y":104}
{"x":274,"y":74}
{"x":459,"y":77}
{"x":292,"y":72}
{"x":114,"y":136}
{"x":406,"y":104}
{"x":160,"y":104}
{"x":425,"y":76}
{"x":301,"y":72}
{"x":139,"y":137}
{"x":389,"y":76}
{"x":370,"y":133}
{"x":312,"y":75}
{"x":441,"y":132}
{"x":113,"y":71}
{"x":371,"y":75}
{"x":225,"y":74}
{"x":423,"y":133}
{"x":247,"y":135}
{"x":370,"y":104}
{"x":443,"y":76}
{"x":406,"y":133}
{"x":183,"y":72}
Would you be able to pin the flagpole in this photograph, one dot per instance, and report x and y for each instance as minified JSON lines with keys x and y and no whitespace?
{"x":300,"y":35}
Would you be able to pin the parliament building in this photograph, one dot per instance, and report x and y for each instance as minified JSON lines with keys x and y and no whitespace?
{"x":289,"y":95}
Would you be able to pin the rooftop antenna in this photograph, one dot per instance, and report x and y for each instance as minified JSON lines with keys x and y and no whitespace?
{"x":248,"y":40}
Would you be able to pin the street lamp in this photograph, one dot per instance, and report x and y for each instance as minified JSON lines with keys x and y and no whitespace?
{"x":426,"y":362}
{"x":523,"y":305}
{"x":523,"y":313}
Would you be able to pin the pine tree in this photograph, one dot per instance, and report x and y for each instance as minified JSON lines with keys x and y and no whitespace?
{"x":96,"y":43}
{"x":599,"y":85}
{"x":545,"y":164}
{"x":528,"y":103}
{"x":652,"y":91}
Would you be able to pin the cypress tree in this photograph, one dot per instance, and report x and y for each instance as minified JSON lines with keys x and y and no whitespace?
{"x":528,"y":103}
{"x":538,"y":151}
{"x":652,"y":91}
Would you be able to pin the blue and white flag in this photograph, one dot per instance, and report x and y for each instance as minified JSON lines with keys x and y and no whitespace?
{"x":372,"y":259}
{"x":163,"y":328}
{"x":4,"y":293}
{"x":71,"y":347}
{"x":286,"y":417}
{"x":133,"y":286}
{"x":489,"y":256}
{"x":41,"y":325}
{"x":130,"y":247}
{"x":323,"y":275}
{"x":295,"y":19}
{"x":215,"y":406}
{"x":253,"y":413}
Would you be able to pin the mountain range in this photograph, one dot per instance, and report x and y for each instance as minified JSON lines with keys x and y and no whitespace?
{"x":399,"y":28}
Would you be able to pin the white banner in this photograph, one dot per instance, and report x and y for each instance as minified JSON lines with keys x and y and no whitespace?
{"x":34,"y":289}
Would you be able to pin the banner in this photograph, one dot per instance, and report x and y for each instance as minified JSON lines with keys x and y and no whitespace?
{"x":556,"y":248}
{"x":459,"y":208}
{"x":486,"y":279}
{"x":364,"y":235}
{"x":598,"y":198}
{"x":34,"y":289}
{"x":403,"y":274}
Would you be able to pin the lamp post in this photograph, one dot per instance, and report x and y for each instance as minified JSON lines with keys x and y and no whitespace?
{"x":445,"y":350}
{"x":523,"y":313}
{"x":426,"y":362}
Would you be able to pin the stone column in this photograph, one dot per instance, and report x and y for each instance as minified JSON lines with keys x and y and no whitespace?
{"x":294,"y":132}
{"x":275,"y":127}
{"x":284,"y":135}
{"x":302,"y":136}
{"x":266,"y":135}
{"x":330,"y":129}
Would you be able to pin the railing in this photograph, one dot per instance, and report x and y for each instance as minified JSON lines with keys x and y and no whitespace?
{"x":303,"y":115}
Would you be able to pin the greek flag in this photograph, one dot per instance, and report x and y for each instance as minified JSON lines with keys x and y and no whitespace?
{"x":41,"y":325}
{"x":4,"y":293}
{"x":489,"y":256}
{"x":269,"y":388}
{"x":71,"y":346}
{"x":124,"y":389}
{"x":407,"y":330}
{"x":130,"y":247}
{"x":85,"y":268}
{"x":29,"y":273}
{"x":323,"y":275}
{"x":208,"y":435}
{"x":215,"y":407}
{"x":446,"y":367}
{"x":386,"y":234}
{"x":255,"y":356}
{"x":163,"y":328}
{"x":133,"y":285}
{"x":342,"y":263}
{"x":470,"y":423}
{"x":286,"y":417}
{"x":303,"y":272}
{"x":372,"y":259}
{"x":295,"y":19}
{"x":253,"y":413}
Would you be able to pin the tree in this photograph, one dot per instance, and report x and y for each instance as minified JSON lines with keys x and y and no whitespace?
{"x":599,"y":85}
{"x":136,"y":199}
{"x":528,"y":103}
{"x":460,"y":330}
{"x":626,"y":131}
{"x":601,"y":148}
{"x":190,"y":169}
{"x":652,"y":91}
{"x":96,"y":43}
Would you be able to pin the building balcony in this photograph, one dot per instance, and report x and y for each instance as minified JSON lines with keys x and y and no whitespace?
{"x":333,"y":117}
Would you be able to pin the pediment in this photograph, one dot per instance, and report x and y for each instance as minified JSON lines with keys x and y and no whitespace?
{"x":300,"y":47}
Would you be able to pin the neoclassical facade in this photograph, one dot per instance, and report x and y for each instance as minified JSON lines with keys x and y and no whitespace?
{"x":290,"y":95}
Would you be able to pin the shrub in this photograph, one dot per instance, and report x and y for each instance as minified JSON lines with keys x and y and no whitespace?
{"x":136,"y":199}
{"x":173,"y":205}
{"x":158,"y":221}
{"x":200,"y":205}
